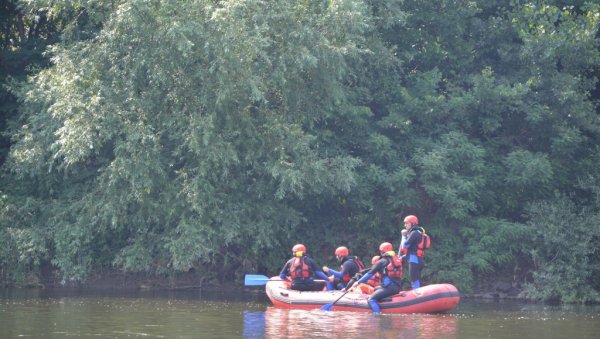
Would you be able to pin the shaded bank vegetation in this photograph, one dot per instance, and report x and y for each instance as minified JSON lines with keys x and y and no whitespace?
{"x":210,"y":136}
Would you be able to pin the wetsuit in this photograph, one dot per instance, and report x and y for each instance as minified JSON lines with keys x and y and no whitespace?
{"x":389,"y":286}
{"x":415,"y":262}
{"x":348,"y":269}
{"x":304,"y":282}
{"x":358,"y":275}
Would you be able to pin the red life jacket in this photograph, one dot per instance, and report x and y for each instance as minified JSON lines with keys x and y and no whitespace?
{"x":424,"y":244}
{"x":299,"y":269}
{"x":394,"y":268}
{"x":375,"y":280}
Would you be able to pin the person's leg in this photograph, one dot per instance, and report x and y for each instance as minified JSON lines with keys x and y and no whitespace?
{"x":374,"y":306}
{"x":337,"y":283}
{"x":414,"y":272}
{"x":381,"y":293}
{"x":334,"y":272}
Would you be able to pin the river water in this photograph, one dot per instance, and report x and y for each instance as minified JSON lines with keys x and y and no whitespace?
{"x":249,"y":314}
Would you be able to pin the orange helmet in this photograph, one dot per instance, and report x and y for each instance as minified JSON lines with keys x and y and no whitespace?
{"x":298,"y":250}
{"x":411,"y":219}
{"x":385,"y":247}
{"x":342,"y":251}
{"x":375,"y":259}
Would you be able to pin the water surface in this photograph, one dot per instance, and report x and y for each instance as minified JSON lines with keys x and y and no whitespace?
{"x":249,"y":314}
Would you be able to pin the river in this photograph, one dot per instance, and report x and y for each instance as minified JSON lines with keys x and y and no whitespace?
{"x":73,"y":313}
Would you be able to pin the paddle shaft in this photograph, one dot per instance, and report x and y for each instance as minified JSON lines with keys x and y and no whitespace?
{"x":341,"y":296}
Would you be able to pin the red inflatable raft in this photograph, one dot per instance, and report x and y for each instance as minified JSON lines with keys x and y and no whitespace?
{"x":427,"y":299}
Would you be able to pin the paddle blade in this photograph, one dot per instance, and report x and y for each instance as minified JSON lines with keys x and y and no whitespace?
{"x":255,"y":280}
{"x":327,"y":307}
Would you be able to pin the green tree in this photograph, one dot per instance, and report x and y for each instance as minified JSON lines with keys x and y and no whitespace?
{"x":213,"y":135}
{"x":567,"y":264}
{"x":174,"y":138}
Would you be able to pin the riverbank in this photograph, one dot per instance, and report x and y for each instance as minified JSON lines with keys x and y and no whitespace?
{"x":496,"y":290}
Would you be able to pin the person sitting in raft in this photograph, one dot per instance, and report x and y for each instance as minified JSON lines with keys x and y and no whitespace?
{"x":369,"y":286}
{"x":390,"y":268}
{"x":301,"y":269}
{"x":349,"y":267}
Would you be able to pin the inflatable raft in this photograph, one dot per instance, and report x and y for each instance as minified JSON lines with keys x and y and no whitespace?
{"x":428,"y":299}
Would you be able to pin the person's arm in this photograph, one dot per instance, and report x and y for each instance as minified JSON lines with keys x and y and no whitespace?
{"x":365,"y":270}
{"x":315,"y":268}
{"x":345,"y":269}
{"x":358,"y":275}
{"x":402,"y":240}
{"x":321,"y":275}
{"x":284,"y":271}
{"x":335,"y":273}
{"x":355,"y":278}
{"x":376,"y":268}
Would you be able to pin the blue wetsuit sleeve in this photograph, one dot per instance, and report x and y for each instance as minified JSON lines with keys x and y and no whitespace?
{"x":365,"y":278}
{"x":321,"y":275}
{"x":376,"y":268}
{"x":336,"y":273}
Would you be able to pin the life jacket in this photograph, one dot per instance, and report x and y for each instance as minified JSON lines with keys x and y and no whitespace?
{"x":375,"y":280}
{"x":359,"y":263}
{"x":424,"y":244}
{"x":366,"y":289}
{"x":394,"y":268}
{"x":299,"y":269}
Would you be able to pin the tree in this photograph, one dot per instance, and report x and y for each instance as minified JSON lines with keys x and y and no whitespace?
{"x":174,"y":137}
{"x":169,"y":136}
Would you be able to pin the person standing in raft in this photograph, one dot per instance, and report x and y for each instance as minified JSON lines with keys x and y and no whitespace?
{"x":389,"y":266}
{"x":301,"y":269}
{"x":413,"y":249}
{"x":349,"y":267}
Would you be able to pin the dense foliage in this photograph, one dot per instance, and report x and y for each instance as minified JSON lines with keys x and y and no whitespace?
{"x":171,"y":136}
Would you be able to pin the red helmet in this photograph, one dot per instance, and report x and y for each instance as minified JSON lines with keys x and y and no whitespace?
{"x":385,"y":247}
{"x":298,"y":248}
{"x":342,"y":251}
{"x":411,"y":219}
{"x":375,"y":259}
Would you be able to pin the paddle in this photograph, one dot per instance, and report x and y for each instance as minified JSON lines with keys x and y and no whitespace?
{"x":259,"y":280}
{"x":327,"y":307}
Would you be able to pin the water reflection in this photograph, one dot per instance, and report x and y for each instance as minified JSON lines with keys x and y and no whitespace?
{"x":254,"y":324}
{"x":285,"y":323}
